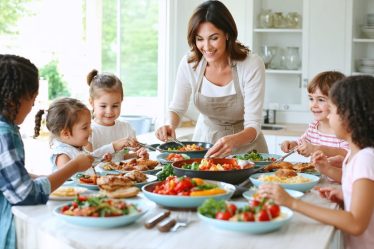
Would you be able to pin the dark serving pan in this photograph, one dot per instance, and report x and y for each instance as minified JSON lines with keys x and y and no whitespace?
{"x":229,"y":176}
{"x":165,"y":147}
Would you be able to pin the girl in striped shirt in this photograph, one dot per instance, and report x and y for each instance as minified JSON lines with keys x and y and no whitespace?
{"x":319,"y":135}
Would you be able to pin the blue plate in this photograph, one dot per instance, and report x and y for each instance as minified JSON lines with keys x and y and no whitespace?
{"x":177,"y":201}
{"x":260,"y":163}
{"x":250,"y":227}
{"x":103,"y":222}
{"x":294,"y":193}
{"x":162,"y":158}
{"x":303,"y":187}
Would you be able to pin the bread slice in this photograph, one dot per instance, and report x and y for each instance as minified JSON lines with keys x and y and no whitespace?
{"x":121,"y":192}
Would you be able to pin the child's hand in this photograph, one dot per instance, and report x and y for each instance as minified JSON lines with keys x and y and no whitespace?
{"x":83,"y":162}
{"x":320,"y":161}
{"x":142,"y":153}
{"x":305,"y":148}
{"x":336,"y":161}
{"x":286,"y":146}
{"x":125,"y":142}
{"x":276,"y":193}
{"x":107,"y":157}
{"x":332,"y":194}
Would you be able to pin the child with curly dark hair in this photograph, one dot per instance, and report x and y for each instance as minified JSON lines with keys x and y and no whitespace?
{"x":19,"y":85}
{"x":352,"y":118}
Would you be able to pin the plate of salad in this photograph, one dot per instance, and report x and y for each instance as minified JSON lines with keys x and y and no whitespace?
{"x":257,"y":216}
{"x":100,"y":212}
{"x":260,"y":159}
{"x":186,"y":192}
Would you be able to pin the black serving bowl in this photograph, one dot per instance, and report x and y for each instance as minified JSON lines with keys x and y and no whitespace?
{"x":229,"y":176}
{"x":165,"y":147}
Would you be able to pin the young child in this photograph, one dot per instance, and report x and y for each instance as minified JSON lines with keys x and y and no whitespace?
{"x":352,"y":119}
{"x":69,"y":123}
{"x":319,"y":135}
{"x":19,"y":84}
{"x":109,"y":134}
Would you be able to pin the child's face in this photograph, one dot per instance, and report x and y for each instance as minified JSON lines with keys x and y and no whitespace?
{"x":107,"y":108}
{"x":25,"y":107}
{"x":81,"y":131}
{"x":318,"y":103}
{"x":336,"y":122}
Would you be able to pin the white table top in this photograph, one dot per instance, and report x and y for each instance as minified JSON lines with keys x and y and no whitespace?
{"x":301,"y":232}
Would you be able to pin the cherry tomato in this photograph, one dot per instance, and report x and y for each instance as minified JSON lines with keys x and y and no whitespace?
{"x":263,"y":215}
{"x":223,"y":215}
{"x":254,"y":203}
{"x":274,"y":210}
{"x":82,"y":198}
{"x":64,"y":208}
{"x":248,"y":216}
{"x":183,"y":185}
{"x":231,"y":208}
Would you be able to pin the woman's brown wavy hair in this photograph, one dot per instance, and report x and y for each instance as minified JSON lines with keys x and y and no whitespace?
{"x":216,"y":13}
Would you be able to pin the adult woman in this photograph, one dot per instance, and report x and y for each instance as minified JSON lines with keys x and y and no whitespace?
{"x":226,"y":82}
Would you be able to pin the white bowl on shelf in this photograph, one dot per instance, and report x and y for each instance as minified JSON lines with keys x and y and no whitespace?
{"x":366,"y":62}
{"x":366,"y":69}
{"x":368,"y":31}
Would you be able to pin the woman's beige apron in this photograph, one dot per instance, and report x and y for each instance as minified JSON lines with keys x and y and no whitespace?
{"x":223,"y":116}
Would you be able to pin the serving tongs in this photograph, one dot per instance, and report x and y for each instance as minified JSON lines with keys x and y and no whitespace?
{"x":150,"y":147}
{"x":286,"y":155}
{"x":173,"y":139}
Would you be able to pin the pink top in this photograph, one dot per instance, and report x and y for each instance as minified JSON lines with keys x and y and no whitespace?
{"x":361,"y":166}
{"x":314,"y":136}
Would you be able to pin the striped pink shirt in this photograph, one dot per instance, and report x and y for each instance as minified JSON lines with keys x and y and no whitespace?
{"x":314,"y":136}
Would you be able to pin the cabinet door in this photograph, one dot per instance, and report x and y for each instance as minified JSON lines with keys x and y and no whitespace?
{"x":325,"y":38}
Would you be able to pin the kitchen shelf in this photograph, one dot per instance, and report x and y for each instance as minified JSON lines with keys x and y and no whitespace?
{"x":278,"y":30}
{"x":276,"y":71}
{"x":363,"y":40}
{"x":360,"y":73}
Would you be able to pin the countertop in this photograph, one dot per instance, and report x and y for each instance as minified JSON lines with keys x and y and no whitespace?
{"x":185,"y":133}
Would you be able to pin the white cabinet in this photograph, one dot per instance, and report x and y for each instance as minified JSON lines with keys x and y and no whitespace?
{"x":361,"y":37}
{"x":321,"y":39}
{"x":274,"y":142}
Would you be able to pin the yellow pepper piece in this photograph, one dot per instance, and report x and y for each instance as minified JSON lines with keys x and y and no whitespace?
{"x":198,"y":181}
{"x":213,"y":191}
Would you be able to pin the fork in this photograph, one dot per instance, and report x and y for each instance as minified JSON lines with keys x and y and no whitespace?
{"x":183,"y":219}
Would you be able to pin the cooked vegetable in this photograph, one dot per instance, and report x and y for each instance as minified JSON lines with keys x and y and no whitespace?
{"x":166,"y":171}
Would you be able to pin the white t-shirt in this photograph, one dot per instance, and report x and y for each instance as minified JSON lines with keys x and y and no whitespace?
{"x":103,"y":136}
{"x":212,"y":90}
{"x":361,"y":166}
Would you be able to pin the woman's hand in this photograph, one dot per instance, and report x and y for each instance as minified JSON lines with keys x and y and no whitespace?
{"x":332,"y":194}
{"x":276,"y":193}
{"x":286,"y":146}
{"x":223,"y":147}
{"x":142,"y":153}
{"x":164,"y":132}
{"x":305,"y":148}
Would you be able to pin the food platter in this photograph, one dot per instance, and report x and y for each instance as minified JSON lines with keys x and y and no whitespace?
{"x":67,"y":193}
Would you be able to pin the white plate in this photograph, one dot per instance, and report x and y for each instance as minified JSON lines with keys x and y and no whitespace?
{"x":294,"y":193}
{"x":77,"y":190}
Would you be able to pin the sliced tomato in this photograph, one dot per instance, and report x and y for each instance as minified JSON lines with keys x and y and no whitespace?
{"x":254,"y":203}
{"x":274,"y":210}
{"x":231,"y":208}
{"x":223,"y":215}
{"x":263,"y":215}
{"x":248,"y":216}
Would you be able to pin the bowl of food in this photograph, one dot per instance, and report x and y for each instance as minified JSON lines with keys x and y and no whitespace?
{"x":260,"y":159}
{"x":244,"y":217}
{"x":186,"y":192}
{"x":164,"y":158}
{"x":100,"y":212}
{"x":191,"y":149}
{"x":218,"y":169}
{"x":296,"y":181}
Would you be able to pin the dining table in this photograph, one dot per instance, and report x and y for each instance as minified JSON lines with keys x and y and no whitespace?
{"x":38,"y":227}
